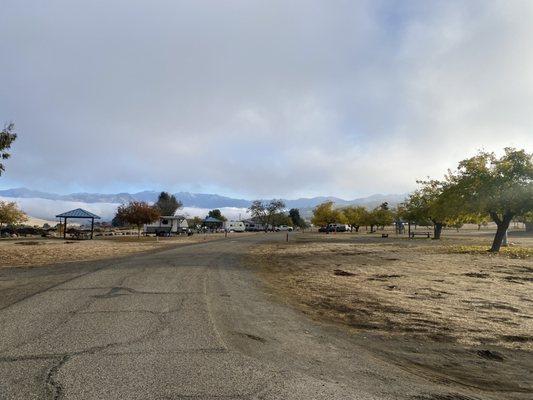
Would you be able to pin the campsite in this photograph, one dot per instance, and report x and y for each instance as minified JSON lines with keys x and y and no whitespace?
{"x":266,"y":200}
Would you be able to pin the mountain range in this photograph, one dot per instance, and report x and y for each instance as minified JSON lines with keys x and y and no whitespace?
{"x":200,"y":200}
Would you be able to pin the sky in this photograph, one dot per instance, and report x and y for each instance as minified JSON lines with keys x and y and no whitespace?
{"x":260,"y":98}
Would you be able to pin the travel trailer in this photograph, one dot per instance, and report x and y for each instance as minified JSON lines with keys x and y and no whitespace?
{"x":253,"y":226}
{"x":168,"y":225}
{"x":234,"y":226}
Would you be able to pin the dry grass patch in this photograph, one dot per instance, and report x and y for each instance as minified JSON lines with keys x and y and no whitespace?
{"x":511,"y":251}
{"x":26,"y":253}
{"x":437,"y":305}
{"x":474,"y":298}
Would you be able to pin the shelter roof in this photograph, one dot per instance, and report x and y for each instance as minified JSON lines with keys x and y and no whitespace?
{"x":78,"y":213}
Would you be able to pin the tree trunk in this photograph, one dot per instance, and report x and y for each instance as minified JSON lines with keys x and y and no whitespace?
{"x":503,"y":225}
{"x":138,"y":231}
{"x":504,"y":241}
{"x":437,"y":229}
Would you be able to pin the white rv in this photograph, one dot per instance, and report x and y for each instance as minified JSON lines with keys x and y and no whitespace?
{"x":234,"y":226}
{"x":253,"y":226}
{"x":166,"y":226}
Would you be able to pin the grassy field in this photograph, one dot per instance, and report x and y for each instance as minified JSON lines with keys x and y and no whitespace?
{"x":446,"y":309}
{"x":38,"y":252}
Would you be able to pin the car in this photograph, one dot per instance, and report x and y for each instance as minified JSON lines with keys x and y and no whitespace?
{"x":335,"y":228}
{"x":339,"y":227}
{"x":284,"y":228}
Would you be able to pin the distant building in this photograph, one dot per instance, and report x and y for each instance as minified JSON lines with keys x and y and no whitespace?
{"x":168,"y":225}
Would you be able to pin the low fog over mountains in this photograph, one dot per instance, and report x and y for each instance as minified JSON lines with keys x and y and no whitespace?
{"x":47,"y":205}
{"x":200,"y":200}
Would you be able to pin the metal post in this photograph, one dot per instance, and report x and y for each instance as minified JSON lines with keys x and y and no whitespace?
{"x":65,"y":228}
{"x":92,"y":227}
{"x":287,"y":239}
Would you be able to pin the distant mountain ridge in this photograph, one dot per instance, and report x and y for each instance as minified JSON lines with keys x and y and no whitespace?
{"x":200,"y":200}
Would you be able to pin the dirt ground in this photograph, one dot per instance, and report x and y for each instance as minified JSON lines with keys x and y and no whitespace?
{"x":444,"y":309}
{"x":39,"y":252}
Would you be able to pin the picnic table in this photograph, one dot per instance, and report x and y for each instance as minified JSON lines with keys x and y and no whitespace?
{"x":426,"y":234}
{"x":81,"y":235}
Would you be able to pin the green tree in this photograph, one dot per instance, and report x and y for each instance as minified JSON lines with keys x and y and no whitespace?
{"x":296,"y":219}
{"x":7,"y":137}
{"x":325,"y":214}
{"x":216,"y":214}
{"x":500,"y":187}
{"x":382,"y":215}
{"x":281,"y":218}
{"x":434,"y":202}
{"x":258,"y":212}
{"x":137,"y":213}
{"x":371,"y":220}
{"x":167,"y":204}
{"x":412,"y":212}
{"x":10,"y":214}
{"x":274,"y":207}
{"x":264,"y":212}
{"x":457,"y":222}
{"x":195,"y":222}
{"x":356,"y":216}
{"x":479,"y":219}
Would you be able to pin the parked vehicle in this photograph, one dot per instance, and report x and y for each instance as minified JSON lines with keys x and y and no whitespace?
{"x":283,"y":228}
{"x":234,"y":226}
{"x":252,"y":226}
{"x":167,"y":226}
{"x":335,"y":228}
{"x":339,"y":227}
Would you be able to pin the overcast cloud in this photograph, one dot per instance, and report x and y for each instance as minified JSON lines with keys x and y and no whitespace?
{"x":260,"y":98}
{"x":48,"y":209}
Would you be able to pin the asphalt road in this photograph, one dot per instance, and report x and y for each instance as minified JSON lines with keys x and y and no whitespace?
{"x":186,"y":323}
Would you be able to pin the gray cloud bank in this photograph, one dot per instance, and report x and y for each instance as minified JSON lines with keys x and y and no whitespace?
{"x":260,"y":99}
{"x":48,"y":209}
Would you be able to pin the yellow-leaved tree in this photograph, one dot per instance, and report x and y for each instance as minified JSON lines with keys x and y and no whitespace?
{"x":10,"y":214}
{"x":325,"y":214}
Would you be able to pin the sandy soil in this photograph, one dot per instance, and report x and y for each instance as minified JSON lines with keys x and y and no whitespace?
{"x":448,"y":308}
{"x":37,"y":252}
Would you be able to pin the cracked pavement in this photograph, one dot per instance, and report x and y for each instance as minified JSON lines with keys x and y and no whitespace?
{"x":185,"y":323}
